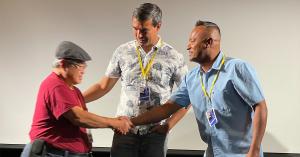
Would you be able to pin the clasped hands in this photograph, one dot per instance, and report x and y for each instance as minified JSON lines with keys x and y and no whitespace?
{"x":124,"y":124}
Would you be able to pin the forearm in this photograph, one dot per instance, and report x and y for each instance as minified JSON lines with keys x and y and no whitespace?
{"x":85,"y":119}
{"x":99,"y":89}
{"x":156,"y":114}
{"x":94,"y":92}
{"x":259,"y":126}
{"x":176,"y":117}
{"x":91,"y":120}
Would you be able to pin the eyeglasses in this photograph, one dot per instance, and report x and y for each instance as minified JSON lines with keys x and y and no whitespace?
{"x":79,"y":66}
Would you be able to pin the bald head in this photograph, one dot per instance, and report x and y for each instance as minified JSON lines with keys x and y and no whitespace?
{"x":204,"y":43}
{"x":212,"y":29}
{"x":211,"y":33}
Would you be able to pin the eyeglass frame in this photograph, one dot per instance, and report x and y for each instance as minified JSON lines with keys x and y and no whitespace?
{"x":76,"y":63}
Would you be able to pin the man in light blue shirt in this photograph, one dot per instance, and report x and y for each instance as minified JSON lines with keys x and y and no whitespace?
{"x":227,"y":99}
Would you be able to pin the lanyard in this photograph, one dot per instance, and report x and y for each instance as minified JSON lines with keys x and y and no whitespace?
{"x":214,"y":81}
{"x":145,"y":71}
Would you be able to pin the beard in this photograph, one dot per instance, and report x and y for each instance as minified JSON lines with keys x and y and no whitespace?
{"x":201,"y":58}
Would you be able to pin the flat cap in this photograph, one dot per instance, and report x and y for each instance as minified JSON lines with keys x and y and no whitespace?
{"x":69,"y":50}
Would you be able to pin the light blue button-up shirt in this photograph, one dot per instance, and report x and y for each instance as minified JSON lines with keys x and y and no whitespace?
{"x":235,"y":92}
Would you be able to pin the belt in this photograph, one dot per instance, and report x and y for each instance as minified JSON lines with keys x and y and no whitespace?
{"x":66,"y":153}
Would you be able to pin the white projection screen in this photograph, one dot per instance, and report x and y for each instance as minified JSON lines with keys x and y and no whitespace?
{"x":263,"y":32}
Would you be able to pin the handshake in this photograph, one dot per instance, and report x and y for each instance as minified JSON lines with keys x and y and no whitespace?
{"x":122,"y":124}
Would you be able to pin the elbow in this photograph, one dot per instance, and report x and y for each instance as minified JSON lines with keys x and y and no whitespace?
{"x":77,"y":121}
{"x":76,"y":118}
{"x":266,"y":113}
{"x":101,"y":89}
{"x":105,"y":89}
{"x":262,"y":110}
{"x":266,"y":110}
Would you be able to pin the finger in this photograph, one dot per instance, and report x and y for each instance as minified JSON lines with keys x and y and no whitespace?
{"x":130,"y":122}
{"x":124,"y":117}
{"x":117,"y":131}
{"x":130,"y":125}
{"x":125,"y":131}
{"x":120,"y":118}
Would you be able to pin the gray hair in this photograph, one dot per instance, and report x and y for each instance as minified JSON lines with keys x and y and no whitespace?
{"x":148,"y":11}
{"x":209,"y":25}
{"x":67,"y":62}
{"x":56,"y":63}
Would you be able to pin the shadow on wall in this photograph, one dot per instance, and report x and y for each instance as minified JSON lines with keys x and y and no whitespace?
{"x":271,"y":144}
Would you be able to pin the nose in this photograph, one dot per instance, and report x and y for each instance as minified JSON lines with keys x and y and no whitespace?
{"x":139,"y":33}
{"x":188,"y":46}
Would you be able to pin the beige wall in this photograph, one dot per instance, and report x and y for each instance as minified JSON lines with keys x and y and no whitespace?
{"x":265,"y":33}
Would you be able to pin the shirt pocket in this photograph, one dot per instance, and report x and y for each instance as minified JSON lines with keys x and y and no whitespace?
{"x":220,"y":102}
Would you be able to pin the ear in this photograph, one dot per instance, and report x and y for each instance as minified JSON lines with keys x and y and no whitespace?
{"x":158,"y":26}
{"x":209,"y":42}
{"x":63,"y":64}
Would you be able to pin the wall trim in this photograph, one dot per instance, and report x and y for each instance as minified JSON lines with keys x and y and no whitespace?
{"x":170,"y":151}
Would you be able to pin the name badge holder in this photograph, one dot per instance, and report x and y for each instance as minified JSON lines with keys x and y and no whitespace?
{"x":144,"y":95}
{"x":210,"y":113}
{"x":211,"y":117}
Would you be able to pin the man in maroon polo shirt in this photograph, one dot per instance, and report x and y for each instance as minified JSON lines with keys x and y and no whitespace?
{"x":61,"y":117}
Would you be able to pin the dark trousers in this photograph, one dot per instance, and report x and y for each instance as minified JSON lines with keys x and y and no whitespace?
{"x":134,"y":145}
{"x":53,"y":152}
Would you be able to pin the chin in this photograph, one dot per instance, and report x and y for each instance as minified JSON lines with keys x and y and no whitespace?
{"x":77,"y":82}
{"x":192,"y":59}
{"x":143,"y":44}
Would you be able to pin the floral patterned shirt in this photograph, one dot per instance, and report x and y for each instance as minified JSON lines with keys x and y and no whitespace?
{"x":168,"y":68}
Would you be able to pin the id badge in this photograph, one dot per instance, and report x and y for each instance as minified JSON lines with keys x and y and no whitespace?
{"x":211,"y":117}
{"x":144,"y":94}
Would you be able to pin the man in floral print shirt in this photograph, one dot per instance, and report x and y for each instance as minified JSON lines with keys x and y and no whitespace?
{"x":148,"y":68}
